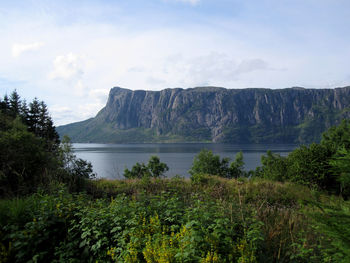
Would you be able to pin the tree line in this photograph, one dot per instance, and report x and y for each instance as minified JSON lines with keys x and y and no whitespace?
{"x":321,"y":166}
{"x":32,"y":155}
{"x":35,"y":116}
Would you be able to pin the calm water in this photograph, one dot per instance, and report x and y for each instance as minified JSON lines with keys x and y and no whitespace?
{"x":110,"y":160}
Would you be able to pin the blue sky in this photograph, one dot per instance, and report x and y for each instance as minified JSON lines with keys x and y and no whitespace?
{"x":70,"y":53}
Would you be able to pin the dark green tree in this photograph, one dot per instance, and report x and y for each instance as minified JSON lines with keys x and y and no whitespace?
{"x":30,"y":150}
{"x":340,"y":164}
{"x":42,"y":120}
{"x":40,"y":123}
{"x":308,"y":165}
{"x":72,"y":171}
{"x":34,"y":117}
{"x":322,"y":166}
{"x":24,"y":112}
{"x":46,"y":128}
{"x":273,"y":167}
{"x":15,"y":104}
{"x":337,"y":137}
{"x":237,"y":167}
{"x":5,"y":105}
{"x":154,"y":168}
{"x":24,"y":161}
{"x":157,"y":168}
{"x":139,"y":170}
{"x":208,"y":163}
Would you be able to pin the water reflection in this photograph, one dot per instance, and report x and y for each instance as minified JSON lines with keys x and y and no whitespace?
{"x":110,"y":160}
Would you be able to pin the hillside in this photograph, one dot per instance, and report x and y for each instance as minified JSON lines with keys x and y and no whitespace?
{"x":212,"y":114}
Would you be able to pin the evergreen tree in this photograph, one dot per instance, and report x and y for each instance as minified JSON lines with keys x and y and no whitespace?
{"x":5,"y":105}
{"x":42,"y":121}
{"x":24,"y":112}
{"x":15,"y":104}
{"x":34,"y":117}
{"x":47,"y":129}
{"x":50,"y":135}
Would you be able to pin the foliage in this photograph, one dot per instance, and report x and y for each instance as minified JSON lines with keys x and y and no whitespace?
{"x":237,"y":166}
{"x":208,"y":163}
{"x":321,"y":165}
{"x":24,"y":160}
{"x":176,"y":221}
{"x":308,"y":165}
{"x":337,"y":137}
{"x":154,"y":168}
{"x":36,"y":117}
{"x":273,"y":167}
{"x":31,"y":155}
{"x":73,"y":171}
{"x":340,"y":164}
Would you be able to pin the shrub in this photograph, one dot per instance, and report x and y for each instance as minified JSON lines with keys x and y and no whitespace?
{"x":154,"y":168}
{"x":208,"y":163}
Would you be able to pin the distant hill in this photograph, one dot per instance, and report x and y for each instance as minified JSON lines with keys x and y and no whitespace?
{"x":212,"y":114}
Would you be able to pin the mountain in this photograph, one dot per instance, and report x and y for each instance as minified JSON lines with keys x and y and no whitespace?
{"x":212,"y":114}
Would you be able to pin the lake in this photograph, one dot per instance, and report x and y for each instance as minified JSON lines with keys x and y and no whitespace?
{"x":110,"y":160}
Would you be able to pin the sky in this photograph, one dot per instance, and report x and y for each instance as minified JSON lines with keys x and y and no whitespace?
{"x":71,"y":53}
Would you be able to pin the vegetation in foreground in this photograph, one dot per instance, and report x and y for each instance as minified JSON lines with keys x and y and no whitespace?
{"x":177,"y":220}
{"x":291,"y":209}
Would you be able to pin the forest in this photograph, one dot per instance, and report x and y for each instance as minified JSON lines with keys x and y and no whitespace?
{"x":54,"y":209}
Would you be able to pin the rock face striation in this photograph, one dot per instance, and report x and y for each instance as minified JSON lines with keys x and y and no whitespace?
{"x":212,"y":114}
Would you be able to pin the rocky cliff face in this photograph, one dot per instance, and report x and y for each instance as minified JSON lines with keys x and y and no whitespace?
{"x":214,"y":114}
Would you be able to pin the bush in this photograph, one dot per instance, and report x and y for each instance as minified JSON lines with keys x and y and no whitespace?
{"x":154,"y":168}
{"x":208,"y":163}
{"x":72,"y":171}
{"x":308,"y":165}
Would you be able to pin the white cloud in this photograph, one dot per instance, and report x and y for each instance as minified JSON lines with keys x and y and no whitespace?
{"x":67,"y":67}
{"x":249,"y":65}
{"x":80,"y":89}
{"x":18,"y":49}
{"x":90,"y":109}
{"x":211,"y":69}
{"x":99,"y":95}
{"x":63,"y":114}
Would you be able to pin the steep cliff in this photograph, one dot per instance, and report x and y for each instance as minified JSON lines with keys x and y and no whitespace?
{"x":213,"y":114}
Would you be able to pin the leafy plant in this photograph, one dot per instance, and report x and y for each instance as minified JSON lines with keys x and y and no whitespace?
{"x":154,"y":168}
{"x":208,"y":163}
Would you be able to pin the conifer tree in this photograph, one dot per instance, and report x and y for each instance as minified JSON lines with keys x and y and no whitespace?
{"x":34,"y":116}
{"x":24,"y":112}
{"x":5,"y":105}
{"x":42,"y":121}
{"x":15,"y":104}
